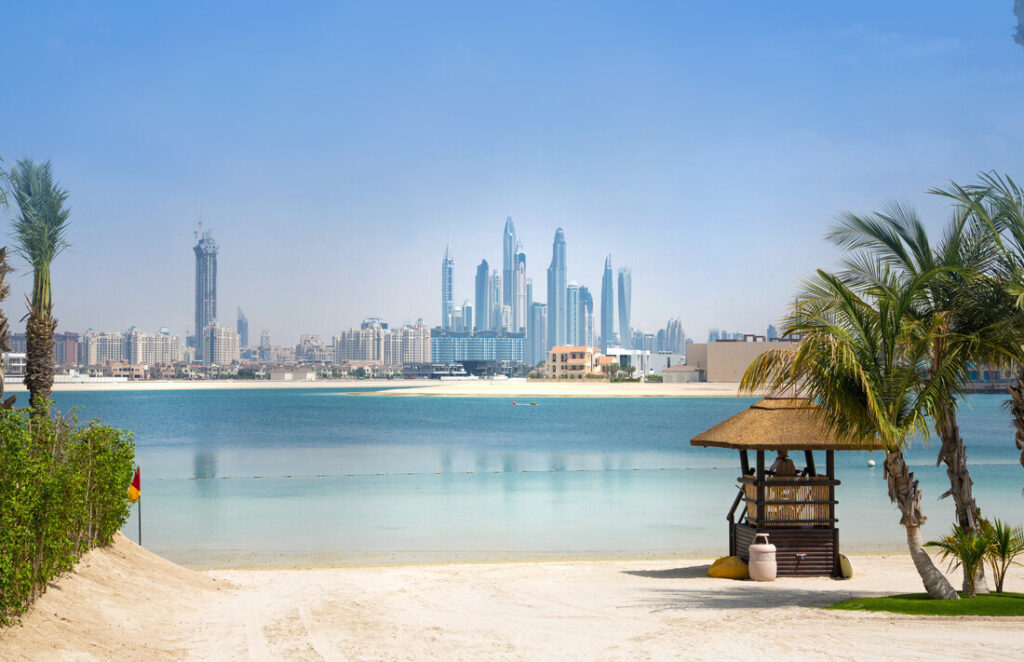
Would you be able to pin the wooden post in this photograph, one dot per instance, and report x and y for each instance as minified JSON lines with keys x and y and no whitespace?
{"x":809,"y":457}
{"x":760,"y":489}
{"x":744,"y":462}
{"x":830,"y":470}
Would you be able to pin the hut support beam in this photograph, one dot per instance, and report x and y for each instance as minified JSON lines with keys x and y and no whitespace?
{"x":760,"y":487}
{"x":809,"y":457}
{"x":744,"y":462}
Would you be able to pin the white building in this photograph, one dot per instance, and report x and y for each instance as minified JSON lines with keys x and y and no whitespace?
{"x":14,"y":364}
{"x":636,"y":358}
{"x":99,"y":348}
{"x":151,"y":349}
{"x":224,"y":345}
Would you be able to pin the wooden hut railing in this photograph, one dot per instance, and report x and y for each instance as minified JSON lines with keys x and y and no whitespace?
{"x":790,"y":501}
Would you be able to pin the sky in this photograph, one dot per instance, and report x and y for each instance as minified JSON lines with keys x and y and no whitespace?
{"x":335,"y":149}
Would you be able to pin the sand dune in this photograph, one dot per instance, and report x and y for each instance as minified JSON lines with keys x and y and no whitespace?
{"x":125,"y":603}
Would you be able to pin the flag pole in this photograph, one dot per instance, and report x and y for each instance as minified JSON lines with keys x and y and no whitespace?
{"x":140,"y":520}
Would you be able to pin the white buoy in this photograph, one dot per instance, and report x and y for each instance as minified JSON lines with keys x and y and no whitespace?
{"x":871,"y":463}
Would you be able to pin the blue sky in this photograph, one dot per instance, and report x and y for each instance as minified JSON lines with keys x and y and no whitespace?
{"x":336,"y":148}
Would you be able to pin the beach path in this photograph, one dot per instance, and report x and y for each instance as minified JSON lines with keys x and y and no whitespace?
{"x":124,"y":602}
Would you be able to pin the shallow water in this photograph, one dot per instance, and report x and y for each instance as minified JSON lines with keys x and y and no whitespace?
{"x":323,"y":476}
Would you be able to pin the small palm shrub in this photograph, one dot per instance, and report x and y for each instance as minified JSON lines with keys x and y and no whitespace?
{"x":1007,"y":544}
{"x":967,"y":549}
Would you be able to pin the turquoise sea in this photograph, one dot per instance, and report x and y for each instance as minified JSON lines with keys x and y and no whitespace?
{"x":287,"y":477}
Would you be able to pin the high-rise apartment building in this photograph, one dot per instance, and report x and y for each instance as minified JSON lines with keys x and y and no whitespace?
{"x":674,"y":338}
{"x":206,"y":288}
{"x":519,"y":296}
{"x":482,"y":310}
{"x":375,"y":342}
{"x":557,"y":312}
{"x":537,"y":334}
{"x":573,"y":323}
{"x":221,"y":344}
{"x":508,"y":266}
{"x":99,"y":348}
{"x":625,"y":299}
{"x":586,"y":317}
{"x":607,"y":306}
{"x":150,"y":349}
{"x":496,"y":305}
{"x":772,"y":333}
{"x":243,"y":328}
{"x":447,"y":289}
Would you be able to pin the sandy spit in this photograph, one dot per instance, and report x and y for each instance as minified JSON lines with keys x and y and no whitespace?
{"x":126,"y":603}
{"x":519,"y":388}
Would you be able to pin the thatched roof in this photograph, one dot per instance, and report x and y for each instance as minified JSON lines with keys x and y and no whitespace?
{"x":791,"y":424}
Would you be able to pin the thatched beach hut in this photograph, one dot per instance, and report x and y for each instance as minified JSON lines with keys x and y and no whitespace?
{"x":796,"y":507}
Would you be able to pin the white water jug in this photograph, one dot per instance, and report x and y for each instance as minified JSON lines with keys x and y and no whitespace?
{"x":762,"y":566}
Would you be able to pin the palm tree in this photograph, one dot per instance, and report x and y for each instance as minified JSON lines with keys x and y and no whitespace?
{"x":5,"y":289}
{"x":865,"y":360}
{"x":996,"y":204}
{"x":39,"y":230}
{"x":967,"y":549}
{"x":970,"y":305}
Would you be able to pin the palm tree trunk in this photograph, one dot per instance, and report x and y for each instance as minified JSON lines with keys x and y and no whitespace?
{"x":1017,"y":410}
{"x":39,"y":358}
{"x":904,"y":493}
{"x":954,"y":454}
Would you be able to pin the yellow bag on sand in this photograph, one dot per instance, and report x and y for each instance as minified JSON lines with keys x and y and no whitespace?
{"x":729,"y":567}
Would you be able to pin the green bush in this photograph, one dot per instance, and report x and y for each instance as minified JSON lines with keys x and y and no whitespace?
{"x":63,"y":490}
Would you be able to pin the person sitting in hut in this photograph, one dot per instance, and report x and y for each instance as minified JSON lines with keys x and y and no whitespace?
{"x":783,"y":465}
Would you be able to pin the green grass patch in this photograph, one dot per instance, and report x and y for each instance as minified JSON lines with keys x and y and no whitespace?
{"x":919,"y":604}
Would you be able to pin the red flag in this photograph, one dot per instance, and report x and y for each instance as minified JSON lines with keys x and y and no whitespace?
{"x":135,"y":489}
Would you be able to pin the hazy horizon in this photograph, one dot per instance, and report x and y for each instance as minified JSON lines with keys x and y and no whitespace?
{"x":337,"y":150}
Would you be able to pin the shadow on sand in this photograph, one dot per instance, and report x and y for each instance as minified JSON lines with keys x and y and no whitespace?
{"x":731,"y":594}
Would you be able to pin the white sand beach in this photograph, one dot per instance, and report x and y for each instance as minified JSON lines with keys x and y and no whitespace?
{"x":126,"y":603}
{"x":520,"y":388}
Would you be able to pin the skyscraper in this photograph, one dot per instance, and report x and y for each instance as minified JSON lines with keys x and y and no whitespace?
{"x":482,"y":310}
{"x":519,"y":303}
{"x":625,"y":298}
{"x":573,"y":323}
{"x":556,"y":292}
{"x":537,"y":334}
{"x":607,"y":306}
{"x":508,"y":266}
{"x":206,"y":287}
{"x":243,"y":328}
{"x":586,"y":334}
{"x":496,"y":305}
{"x":447,"y":292}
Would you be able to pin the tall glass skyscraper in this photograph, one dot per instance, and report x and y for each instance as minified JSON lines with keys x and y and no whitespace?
{"x":482,"y":310}
{"x":573,"y":323}
{"x":625,"y":299}
{"x":607,"y":306}
{"x":206,"y":287}
{"x":519,"y":297}
{"x":508,"y":267}
{"x":556,"y":292}
{"x":243,"y":329}
{"x":447,"y":290}
{"x":586,"y":333}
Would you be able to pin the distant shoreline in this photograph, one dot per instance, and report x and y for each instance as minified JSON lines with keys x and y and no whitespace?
{"x":514,"y":388}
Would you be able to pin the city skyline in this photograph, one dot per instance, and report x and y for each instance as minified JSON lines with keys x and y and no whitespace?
{"x":320,"y":174}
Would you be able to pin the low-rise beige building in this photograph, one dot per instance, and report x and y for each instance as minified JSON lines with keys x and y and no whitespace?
{"x":573,"y":362}
{"x":727,"y":360}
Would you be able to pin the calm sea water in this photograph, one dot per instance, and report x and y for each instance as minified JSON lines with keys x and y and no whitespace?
{"x":327,"y":476}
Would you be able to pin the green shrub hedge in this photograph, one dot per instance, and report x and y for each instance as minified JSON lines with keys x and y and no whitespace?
{"x":63,"y":490}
